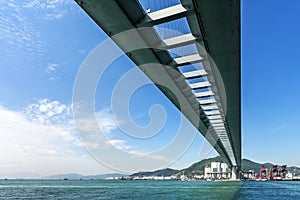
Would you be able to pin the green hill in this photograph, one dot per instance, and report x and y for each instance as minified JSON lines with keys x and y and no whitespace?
{"x":198,"y":168}
{"x":250,"y":165}
{"x":89,"y":177}
{"x":161,"y":172}
{"x":294,"y":170}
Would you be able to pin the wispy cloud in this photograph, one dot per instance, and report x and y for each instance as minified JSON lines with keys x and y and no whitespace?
{"x":44,"y":132}
{"x":97,"y":130}
{"x":56,"y":114}
{"x":278,"y":128}
{"x":26,"y":142}
{"x":53,"y":9}
{"x":51,"y":70}
{"x":52,"y":67}
{"x":19,"y":25}
{"x":120,"y":144}
{"x":17,"y":31}
{"x":106,"y":121}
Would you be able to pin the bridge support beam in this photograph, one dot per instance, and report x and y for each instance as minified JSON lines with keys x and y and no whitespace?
{"x":233,"y":173}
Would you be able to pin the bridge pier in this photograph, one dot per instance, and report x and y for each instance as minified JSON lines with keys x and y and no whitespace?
{"x":233,"y":173}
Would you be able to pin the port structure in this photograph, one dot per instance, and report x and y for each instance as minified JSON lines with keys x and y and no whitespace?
{"x":209,"y":38}
{"x":274,"y":174}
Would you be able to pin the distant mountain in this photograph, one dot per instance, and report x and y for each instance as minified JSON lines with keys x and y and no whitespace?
{"x":198,"y":168}
{"x":65,"y":176}
{"x":21,"y":175}
{"x":250,"y":165}
{"x":293,"y":169}
{"x":161,"y":172}
{"x":89,"y":177}
{"x":195,"y":169}
{"x":104,"y":176}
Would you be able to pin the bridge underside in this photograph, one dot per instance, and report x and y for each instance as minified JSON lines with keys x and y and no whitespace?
{"x":214,"y":26}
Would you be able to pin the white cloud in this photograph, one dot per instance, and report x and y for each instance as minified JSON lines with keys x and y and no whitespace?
{"x":96,"y":129}
{"x":106,"y":121}
{"x":49,"y":112}
{"x":100,"y":135}
{"x":120,"y":144}
{"x":23,"y":141}
{"x":42,"y":139}
{"x":45,"y":4}
{"x":51,"y":70}
{"x":17,"y":25}
{"x":52,"y":67}
{"x":58,"y":115}
{"x":53,"y":9}
{"x":36,"y":141}
{"x":17,"y":31}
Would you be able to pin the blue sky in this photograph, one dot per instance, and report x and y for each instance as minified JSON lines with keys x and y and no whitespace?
{"x":43,"y":44}
{"x":270,"y":68}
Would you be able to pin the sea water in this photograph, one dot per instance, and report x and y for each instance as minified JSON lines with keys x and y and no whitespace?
{"x":138,"y":189}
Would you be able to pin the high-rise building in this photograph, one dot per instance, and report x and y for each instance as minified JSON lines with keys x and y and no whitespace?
{"x":216,"y":170}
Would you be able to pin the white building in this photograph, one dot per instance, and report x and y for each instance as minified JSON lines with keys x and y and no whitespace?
{"x":289,"y":176}
{"x":215,"y":166}
{"x":249,"y":174}
{"x":225,"y":173}
{"x":216,"y":170}
{"x":207,"y":172}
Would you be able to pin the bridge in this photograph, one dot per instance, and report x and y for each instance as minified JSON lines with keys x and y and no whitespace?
{"x":195,"y":46}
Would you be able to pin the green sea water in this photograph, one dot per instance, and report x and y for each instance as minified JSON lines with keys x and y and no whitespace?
{"x":109,"y":189}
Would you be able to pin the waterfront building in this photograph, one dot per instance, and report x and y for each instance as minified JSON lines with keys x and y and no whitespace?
{"x":207,"y":172}
{"x":225,"y":173}
{"x":249,"y":174}
{"x":216,"y":170}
